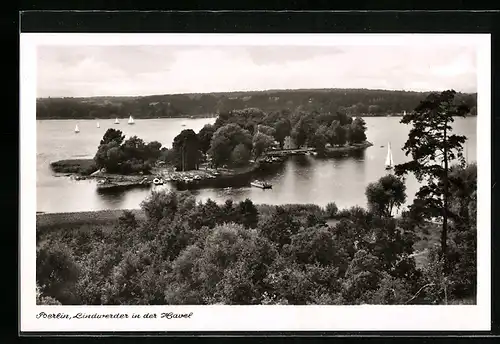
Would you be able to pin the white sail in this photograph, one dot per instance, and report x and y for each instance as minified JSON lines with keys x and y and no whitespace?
{"x":116,"y":121}
{"x":77,"y":130}
{"x":98,"y":125}
{"x":130,"y":120}
{"x":404,"y":113}
{"x":388,"y":160}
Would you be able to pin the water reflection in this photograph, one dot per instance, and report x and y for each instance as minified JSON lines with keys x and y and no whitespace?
{"x":112,"y":199}
{"x":302,"y":160}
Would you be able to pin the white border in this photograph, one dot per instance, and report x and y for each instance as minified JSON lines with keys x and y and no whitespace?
{"x":260,"y":318}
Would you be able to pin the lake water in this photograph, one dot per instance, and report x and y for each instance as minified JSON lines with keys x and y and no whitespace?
{"x":302,"y":179}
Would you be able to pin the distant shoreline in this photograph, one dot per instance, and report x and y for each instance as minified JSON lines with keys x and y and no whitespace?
{"x":354,"y":102}
{"x":187,"y":117}
{"x":126,"y":118}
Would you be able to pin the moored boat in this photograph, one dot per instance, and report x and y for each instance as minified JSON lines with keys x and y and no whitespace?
{"x":389,"y":163}
{"x":158,"y":181}
{"x":262,"y":185}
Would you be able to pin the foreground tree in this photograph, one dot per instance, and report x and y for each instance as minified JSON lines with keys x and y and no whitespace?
{"x":385,"y":194}
{"x":432,"y":147}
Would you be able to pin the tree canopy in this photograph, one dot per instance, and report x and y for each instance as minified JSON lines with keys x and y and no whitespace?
{"x":385,"y":194}
{"x":433,"y":147}
{"x":225,"y":139}
{"x":186,"y":150}
{"x":126,"y":157}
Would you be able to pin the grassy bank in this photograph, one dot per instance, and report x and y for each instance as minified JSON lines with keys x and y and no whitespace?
{"x":77,"y":220}
{"x":77,"y":166}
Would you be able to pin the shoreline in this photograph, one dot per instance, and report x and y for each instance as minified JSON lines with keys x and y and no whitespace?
{"x":85,"y":169}
{"x":333,"y":151}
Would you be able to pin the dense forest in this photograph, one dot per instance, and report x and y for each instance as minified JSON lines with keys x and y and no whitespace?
{"x":355,"y":102}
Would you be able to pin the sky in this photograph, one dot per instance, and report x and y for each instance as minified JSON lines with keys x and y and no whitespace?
{"x":84,"y":71}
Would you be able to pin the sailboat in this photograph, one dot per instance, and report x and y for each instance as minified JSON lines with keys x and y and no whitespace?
{"x":404,"y":113}
{"x":98,"y":125}
{"x":130,"y":120}
{"x":389,"y":163}
{"x":76,"y":129}
{"x":116,"y":121}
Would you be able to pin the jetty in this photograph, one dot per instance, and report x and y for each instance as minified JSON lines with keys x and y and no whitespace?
{"x":288,"y":152}
{"x":282,"y":153}
{"x":108,"y":183}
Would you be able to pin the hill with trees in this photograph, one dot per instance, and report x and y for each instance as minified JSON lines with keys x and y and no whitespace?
{"x":355,"y":102}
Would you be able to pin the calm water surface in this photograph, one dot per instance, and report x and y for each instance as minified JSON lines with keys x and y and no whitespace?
{"x":299,"y":180}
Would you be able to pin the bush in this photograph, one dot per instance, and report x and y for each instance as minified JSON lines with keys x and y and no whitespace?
{"x":331,"y":210}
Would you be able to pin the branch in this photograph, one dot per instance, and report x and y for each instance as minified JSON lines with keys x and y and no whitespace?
{"x":418,"y":292}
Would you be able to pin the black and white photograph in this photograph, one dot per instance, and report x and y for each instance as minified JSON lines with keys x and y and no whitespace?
{"x":187,"y":174}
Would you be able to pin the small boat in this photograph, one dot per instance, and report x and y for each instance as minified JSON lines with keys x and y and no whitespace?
{"x":158,"y":181}
{"x":77,"y":130}
{"x":262,"y":185}
{"x":404,"y":113}
{"x":98,"y":125}
{"x":116,"y":121}
{"x":389,"y":163}
{"x":131,"y":120}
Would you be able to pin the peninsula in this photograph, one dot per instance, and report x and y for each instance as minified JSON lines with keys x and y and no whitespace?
{"x":239,"y":143}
